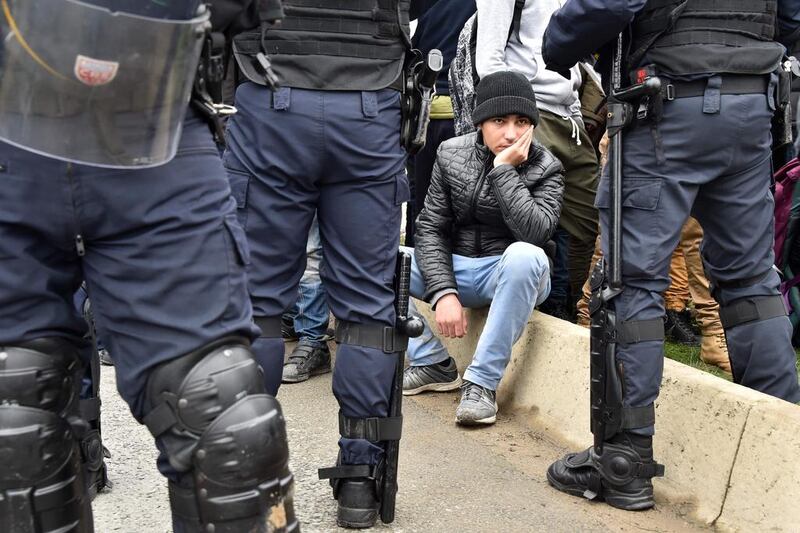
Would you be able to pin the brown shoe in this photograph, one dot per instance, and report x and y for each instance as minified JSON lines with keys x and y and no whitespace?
{"x":714,"y":351}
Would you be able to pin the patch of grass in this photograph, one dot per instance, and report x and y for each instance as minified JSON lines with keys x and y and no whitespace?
{"x":690,"y":355}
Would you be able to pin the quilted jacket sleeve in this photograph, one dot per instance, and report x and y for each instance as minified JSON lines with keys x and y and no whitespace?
{"x":433,"y":237}
{"x":530,"y":212}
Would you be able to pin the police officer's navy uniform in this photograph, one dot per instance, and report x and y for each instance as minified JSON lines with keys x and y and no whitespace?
{"x":164,"y":259}
{"x":327,"y":140}
{"x":705,"y":154}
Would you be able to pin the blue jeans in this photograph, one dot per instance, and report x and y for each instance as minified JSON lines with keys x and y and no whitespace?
{"x":511,"y":285}
{"x":310,"y":311}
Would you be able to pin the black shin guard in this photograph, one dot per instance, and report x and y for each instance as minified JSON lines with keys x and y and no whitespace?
{"x":226,"y":437}
{"x":41,"y":483}
{"x":608,"y":469}
{"x":353,"y":484}
{"x":619,"y":467}
{"x":93,"y":453}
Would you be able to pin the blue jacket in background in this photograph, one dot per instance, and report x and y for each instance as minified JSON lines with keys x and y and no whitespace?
{"x":438,"y":24}
{"x":582,"y":27}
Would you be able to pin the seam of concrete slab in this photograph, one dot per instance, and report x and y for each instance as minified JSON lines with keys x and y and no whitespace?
{"x":733,"y":465}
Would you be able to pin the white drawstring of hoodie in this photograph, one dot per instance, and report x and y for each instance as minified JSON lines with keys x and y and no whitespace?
{"x":576,"y":130}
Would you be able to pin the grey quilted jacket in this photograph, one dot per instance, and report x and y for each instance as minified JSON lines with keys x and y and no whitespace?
{"x":475,"y":210}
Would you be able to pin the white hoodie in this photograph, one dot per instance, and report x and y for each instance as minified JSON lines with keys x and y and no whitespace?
{"x":554,"y":93}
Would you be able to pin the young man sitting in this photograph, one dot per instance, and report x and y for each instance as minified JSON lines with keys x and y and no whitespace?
{"x":494,"y":201}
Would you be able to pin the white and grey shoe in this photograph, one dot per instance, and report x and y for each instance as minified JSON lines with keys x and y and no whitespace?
{"x":438,"y":377}
{"x":478,"y":405}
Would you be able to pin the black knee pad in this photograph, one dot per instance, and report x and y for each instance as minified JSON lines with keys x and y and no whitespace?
{"x":214,"y":421}
{"x":41,"y":482}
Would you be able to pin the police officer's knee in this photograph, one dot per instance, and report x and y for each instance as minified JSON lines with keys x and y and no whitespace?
{"x":214,"y":420}
{"x":524,"y":262}
{"x":39,"y":414}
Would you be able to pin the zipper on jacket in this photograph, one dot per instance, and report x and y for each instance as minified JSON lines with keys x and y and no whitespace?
{"x":473,"y":203}
{"x":474,"y":209}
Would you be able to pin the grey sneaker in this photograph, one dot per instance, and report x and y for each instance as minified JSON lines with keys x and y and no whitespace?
{"x":438,"y":377}
{"x":105,"y":357}
{"x":306,"y":361}
{"x":477,"y":407}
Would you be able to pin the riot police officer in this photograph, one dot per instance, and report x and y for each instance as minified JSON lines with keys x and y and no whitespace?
{"x":700,"y":147}
{"x":328,"y":140}
{"x":98,"y":183}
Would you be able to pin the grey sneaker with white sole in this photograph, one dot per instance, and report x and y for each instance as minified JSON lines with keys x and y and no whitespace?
{"x":438,"y":377}
{"x":478,"y":405}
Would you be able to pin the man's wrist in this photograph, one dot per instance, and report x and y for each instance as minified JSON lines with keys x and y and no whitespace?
{"x":440,"y":294}
{"x":498,"y":164}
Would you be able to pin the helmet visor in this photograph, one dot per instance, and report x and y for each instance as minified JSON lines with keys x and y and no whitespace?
{"x":90,"y":85}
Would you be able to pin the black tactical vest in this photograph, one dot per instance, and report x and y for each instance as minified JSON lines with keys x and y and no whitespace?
{"x":687,"y":37}
{"x":354,"y":45}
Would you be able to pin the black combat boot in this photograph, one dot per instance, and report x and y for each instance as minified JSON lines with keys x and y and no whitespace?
{"x":358,"y":502}
{"x":621,"y":476}
{"x":357,"y":489}
{"x":678,"y":328}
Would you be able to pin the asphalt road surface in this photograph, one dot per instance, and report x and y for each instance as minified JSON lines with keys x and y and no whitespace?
{"x":451,"y":479}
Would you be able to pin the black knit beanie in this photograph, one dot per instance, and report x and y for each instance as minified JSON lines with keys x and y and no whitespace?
{"x":507,"y":92}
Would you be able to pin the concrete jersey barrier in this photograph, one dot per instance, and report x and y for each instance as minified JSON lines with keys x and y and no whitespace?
{"x":731,"y":453}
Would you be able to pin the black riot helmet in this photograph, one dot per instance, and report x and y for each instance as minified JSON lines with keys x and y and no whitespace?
{"x":98,"y":82}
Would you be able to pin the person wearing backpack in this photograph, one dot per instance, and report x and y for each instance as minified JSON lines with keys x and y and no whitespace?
{"x":561,"y":129}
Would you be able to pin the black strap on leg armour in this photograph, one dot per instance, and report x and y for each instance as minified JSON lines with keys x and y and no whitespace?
{"x":373,"y":429}
{"x":634,"y":331}
{"x":377,"y":336}
{"x":270,"y":325}
{"x":747,"y":310}
{"x":349,"y":471}
{"x":620,"y":465}
{"x":638,"y":417}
